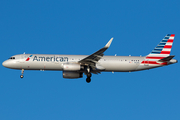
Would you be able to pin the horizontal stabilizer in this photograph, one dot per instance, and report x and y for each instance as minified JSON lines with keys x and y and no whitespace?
{"x":167,"y":58}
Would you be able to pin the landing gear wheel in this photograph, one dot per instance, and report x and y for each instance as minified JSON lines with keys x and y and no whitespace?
{"x":21,"y":76}
{"x":88,"y":79}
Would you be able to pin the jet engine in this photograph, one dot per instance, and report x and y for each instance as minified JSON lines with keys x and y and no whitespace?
{"x":71,"y":67}
{"x":71,"y":75}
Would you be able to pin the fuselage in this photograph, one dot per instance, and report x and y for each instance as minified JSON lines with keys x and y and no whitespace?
{"x":56,"y":62}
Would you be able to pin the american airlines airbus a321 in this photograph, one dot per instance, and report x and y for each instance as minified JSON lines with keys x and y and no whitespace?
{"x":73,"y":66}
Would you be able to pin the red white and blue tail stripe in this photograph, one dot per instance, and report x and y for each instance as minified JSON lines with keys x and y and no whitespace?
{"x":162,"y":50}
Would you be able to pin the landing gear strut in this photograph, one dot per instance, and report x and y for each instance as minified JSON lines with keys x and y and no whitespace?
{"x":88,"y":79}
{"x":22,"y":72}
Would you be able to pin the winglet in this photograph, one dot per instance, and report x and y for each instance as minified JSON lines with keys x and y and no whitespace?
{"x":109,"y":43}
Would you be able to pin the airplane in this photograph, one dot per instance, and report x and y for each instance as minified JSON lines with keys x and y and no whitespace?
{"x":74,"y":66}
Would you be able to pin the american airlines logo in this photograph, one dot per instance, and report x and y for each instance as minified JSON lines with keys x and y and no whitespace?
{"x":49,"y":59}
{"x":29,"y":58}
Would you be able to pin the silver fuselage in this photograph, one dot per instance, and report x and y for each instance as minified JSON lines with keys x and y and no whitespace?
{"x":55,"y":62}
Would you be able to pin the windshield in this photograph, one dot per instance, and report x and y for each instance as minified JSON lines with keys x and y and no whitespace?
{"x":12,"y":58}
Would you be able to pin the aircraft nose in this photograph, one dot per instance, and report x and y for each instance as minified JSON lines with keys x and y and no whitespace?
{"x":5,"y":64}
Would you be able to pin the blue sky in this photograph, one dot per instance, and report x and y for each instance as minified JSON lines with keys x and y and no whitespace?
{"x":83,"y":27}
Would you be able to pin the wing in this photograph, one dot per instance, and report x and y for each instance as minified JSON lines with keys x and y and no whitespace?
{"x":92,"y":59}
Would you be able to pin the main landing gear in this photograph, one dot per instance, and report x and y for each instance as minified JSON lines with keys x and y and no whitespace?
{"x":22,"y":72}
{"x":88,"y":79}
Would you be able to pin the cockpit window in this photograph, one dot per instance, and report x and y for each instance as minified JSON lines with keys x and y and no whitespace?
{"x":12,"y":58}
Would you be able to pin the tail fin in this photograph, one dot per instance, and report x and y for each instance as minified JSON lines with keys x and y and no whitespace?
{"x":161,"y":54}
{"x":163,"y":49}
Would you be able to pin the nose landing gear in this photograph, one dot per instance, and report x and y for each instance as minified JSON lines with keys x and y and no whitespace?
{"x":22,"y":72}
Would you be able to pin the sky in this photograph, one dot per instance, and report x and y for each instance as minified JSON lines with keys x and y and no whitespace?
{"x":82,"y":27}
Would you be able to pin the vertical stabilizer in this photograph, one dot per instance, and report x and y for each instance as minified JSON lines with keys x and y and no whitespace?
{"x":162,"y":50}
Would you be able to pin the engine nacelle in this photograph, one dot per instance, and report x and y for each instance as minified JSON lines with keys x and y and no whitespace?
{"x":71,"y":67}
{"x":71,"y":75}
